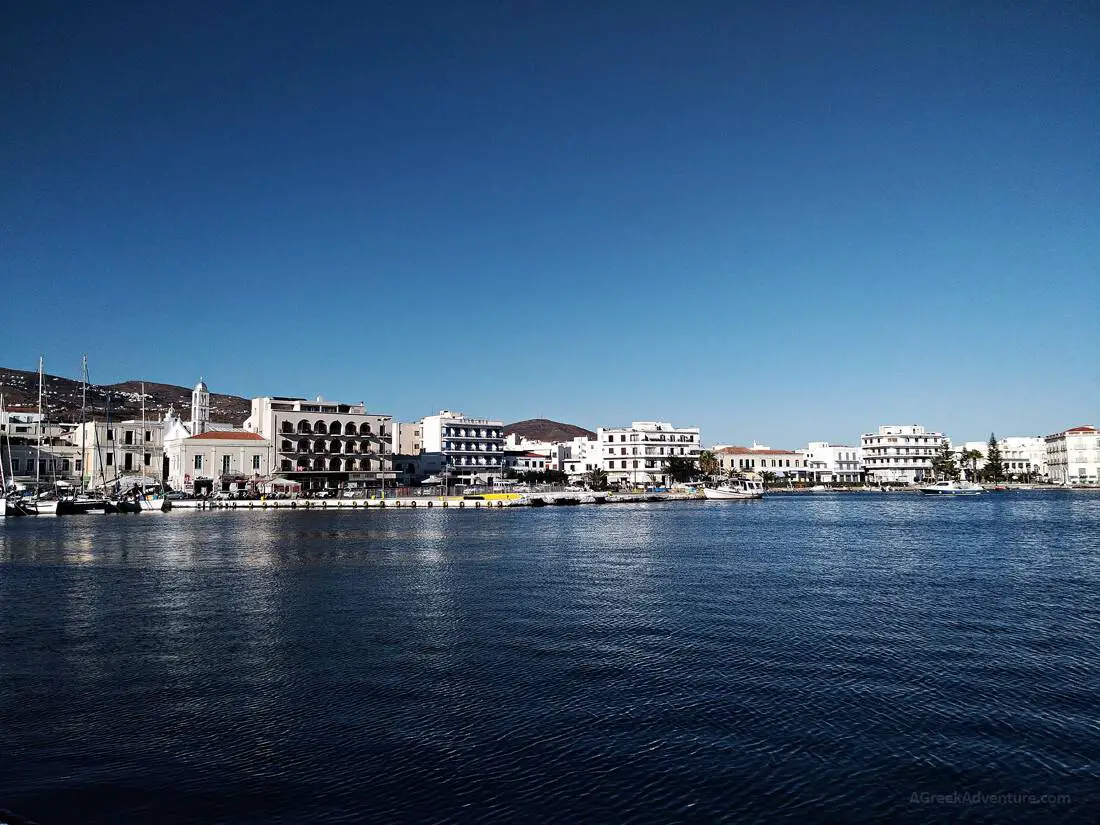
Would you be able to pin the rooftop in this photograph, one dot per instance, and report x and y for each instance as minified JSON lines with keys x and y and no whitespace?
{"x":224,"y":435}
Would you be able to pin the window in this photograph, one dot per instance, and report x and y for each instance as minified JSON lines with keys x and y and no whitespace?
{"x":198,"y":462}
{"x":225,"y":464}
{"x":128,"y":461}
{"x":110,"y":435}
{"x":148,"y":437}
{"x":79,"y":466}
{"x":129,"y":436}
{"x":15,"y":465}
{"x":64,"y":465}
{"x":110,"y":459}
{"x":255,"y":462}
{"x":622,"y":438}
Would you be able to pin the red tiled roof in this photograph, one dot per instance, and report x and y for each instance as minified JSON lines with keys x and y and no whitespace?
{"x":222,"y":435}
{"x":1088,"y":428}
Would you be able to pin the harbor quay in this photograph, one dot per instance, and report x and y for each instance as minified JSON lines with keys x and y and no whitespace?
{"x":477,"y":502}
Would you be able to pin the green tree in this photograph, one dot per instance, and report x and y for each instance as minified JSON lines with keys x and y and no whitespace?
{"x":943,"y":464}
{"x":680,"y":468}
{"x":994,"y":465}
{"x":708,"y":463}
{"x":596,"y":479}
{"x":767,"y":476}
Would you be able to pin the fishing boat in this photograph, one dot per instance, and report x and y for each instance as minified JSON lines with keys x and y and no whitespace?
{"x":741,"y":487}
{"x":949,"y":487}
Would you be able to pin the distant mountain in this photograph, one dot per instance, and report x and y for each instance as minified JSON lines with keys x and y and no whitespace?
{"x":61,"y":399}
{"x":543,"y":429}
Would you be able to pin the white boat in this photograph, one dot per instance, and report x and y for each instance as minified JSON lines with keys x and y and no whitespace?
{"x":736,"y":488}
{"x":45,"y":506}
{"x":149,"y":502}
{"x":951,"y":488}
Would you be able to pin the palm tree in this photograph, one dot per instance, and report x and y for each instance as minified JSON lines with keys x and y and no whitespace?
{"x":596,"y":479}
{"x":708,"y":463}
{"x":768,"y":477}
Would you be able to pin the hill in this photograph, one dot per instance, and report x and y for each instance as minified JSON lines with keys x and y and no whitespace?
{"x":543,"y":429}
{"x":61,"y":398}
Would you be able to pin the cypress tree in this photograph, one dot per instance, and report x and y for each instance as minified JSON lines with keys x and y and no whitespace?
{"x":994,"y":465}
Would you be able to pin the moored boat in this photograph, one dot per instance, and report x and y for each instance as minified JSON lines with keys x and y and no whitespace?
{"x":742,"y":487}
{"x":951,"y":488}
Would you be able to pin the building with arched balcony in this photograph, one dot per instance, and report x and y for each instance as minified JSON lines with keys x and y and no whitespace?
{"x":325,"y":445}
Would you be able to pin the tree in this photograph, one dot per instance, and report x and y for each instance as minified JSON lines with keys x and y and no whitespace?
{"x":680,"y":468}
{"x":994,"y":465}
{"x":943,"y":464}
{"x":708,"y":463}
{"x":596,"y":479}
{"x":972,"y":457}
{"x":767,"y":476}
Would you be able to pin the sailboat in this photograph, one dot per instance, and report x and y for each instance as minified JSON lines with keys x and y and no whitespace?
{"x":82,"y":502}
{"x":149,"y":501}
{"x":42,"y":506}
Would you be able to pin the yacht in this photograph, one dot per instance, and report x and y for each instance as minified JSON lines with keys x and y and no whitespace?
{"x":736,"y":488}
{"x":951,"y":488}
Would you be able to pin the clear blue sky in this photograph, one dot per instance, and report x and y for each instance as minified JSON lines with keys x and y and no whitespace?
{"x":778,"y":222}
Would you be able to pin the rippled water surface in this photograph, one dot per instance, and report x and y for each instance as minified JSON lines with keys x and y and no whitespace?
{"x":801,"y":659}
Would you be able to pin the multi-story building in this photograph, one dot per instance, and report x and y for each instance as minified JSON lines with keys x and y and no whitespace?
{"x":578,"y":457}
{"x":56,"y":463}
{"x":471,"y":450}
{"x":758,"y":459}
{"x":639,"y":454}
{"x":1073,"y":456}
{"x":833,"y":462}
{"x":899,"y":454}
{"x":407,"y":447}
{"x":114,"y":451}
{"x":1022,"y":456}
{"x":324,"y":445}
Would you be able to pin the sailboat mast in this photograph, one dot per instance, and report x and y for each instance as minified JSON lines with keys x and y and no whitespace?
{"x":38,"y":452}
{"x":83,"y":428}
{"x":143,"y":480}
{"x":3,"y":478}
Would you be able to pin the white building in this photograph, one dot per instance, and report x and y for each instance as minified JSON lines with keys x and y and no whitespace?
{"x":324,"y":444}
{"x":639,"y":454}
{"x":899,"y":454}
{"x":1073,"y":456}
{"x":1022,"y":456}
{"x":833,"y":462}
{"x":578,"y":457}
{"x":521,"y":461}
{"x":471,"y":449}
{"x":218,"y":460}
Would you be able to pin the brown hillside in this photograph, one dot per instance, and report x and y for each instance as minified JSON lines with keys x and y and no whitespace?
{"x":61,"y":398}
{"x":543,"y":429}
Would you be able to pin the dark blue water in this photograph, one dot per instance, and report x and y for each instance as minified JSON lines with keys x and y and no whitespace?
{"x":814,"y":658}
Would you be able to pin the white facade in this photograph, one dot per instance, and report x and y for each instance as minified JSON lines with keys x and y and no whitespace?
{"x":218,"y":460}
{"x":899,"y":454}
{"x":526,"y":462}
{"x":834,"y":462}
{"x":578,"y":457}
{"x":324,"y":444}
{"x":471,"y":449}
{"x":639,"y":454}
{"x":1020,"y":455}
{"x":1073,"y":456}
